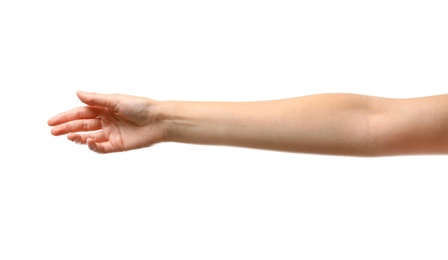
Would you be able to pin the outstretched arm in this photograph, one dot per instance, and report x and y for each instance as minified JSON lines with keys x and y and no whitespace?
{"x":338,"y":124}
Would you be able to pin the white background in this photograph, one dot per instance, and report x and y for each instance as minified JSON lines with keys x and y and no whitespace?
{"x":58,"y":200}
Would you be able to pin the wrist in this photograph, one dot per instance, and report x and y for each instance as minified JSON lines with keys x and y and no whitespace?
{"x":188,"y":121}
{"x":168,"y":115}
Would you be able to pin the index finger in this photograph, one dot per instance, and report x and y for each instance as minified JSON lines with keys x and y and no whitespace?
{"x":85,"y":112}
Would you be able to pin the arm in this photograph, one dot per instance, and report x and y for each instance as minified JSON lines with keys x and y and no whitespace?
{"x":339,"y":124}
{"x":324,"y":124}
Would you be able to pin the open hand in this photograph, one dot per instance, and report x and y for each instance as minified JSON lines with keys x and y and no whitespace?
{"x":111,"y":122}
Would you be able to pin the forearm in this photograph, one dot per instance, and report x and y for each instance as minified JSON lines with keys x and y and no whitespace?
{"x":323,"y":124}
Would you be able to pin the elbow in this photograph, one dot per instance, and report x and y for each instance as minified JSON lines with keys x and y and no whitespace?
{"x":401,"y":129}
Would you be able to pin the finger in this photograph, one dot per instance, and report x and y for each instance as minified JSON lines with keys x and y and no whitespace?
{"x":99,"y":100}
{"x":77,"y":126}
{"x":93,"y":146}
{"x":74,"y":114}
{"x":105,"y":147}
{"x":82,"y":138}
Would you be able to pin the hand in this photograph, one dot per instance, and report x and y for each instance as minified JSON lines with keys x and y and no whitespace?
{"x":114,"y":122}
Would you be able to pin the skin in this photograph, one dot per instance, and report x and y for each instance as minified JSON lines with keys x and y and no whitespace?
{"x":331,"y":124}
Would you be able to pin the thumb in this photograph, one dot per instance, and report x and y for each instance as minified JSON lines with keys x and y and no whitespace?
{"x":98,"y":100}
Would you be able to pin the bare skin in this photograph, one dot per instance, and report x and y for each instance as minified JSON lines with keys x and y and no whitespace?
{"x":115,"y":123}
{"x":332,"y":124}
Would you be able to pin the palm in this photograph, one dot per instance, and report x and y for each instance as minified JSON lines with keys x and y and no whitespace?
{"x":112,"y":123}
{"x":129,"y":126}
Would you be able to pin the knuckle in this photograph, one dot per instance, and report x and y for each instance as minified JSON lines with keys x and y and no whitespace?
{"x":85,"y":126}
{"x":68,"y":128}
